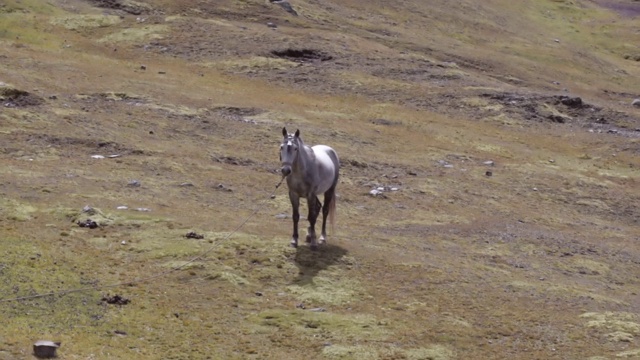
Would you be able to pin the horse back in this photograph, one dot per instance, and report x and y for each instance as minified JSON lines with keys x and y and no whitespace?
{"x":328,"y":167}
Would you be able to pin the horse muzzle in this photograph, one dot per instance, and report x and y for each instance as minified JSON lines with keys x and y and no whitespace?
{"x":285,"y":170}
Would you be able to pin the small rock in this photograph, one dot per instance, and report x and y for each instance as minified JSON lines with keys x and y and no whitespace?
{"x":45,"y":349}
{"x":143,"y":67}
{"x":286,"y":6}
{"x":222,"y":187}
{"x":273,"y":196}
{"x":53,"y":97}
{"x":488,"y":173}
{"x":448,"y":166}
{"x":134,"y":183}
{"x":572,"y":101}
{"x":120,"y":332}
{"x":272,"y":25}
{"x":375,"y":192}
{"x":489,"y":163}
{"x":636,"y":102}
{"x":193,"y":235}
{"x":258,"y":293}
{"x":122,"y":207}
{"x":88,"y":209}
{"x":115,"y":300}
{"x":282,"y":216}
{"x":88,"y":224}
{"x":319,"y":309}
{"x":143,"y":209}
{"x":186,"y":184}
{"x":123,"y":242}
{"x":97,"y":156}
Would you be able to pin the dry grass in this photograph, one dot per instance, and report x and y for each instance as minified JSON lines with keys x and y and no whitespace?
{"x":538,"y":260}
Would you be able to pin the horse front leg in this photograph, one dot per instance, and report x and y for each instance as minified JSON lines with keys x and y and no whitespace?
{"x":295,"y":204}
{"x":314,"y":211}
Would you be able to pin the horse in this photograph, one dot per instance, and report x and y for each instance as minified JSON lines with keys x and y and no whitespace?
{"x":310,"y":171}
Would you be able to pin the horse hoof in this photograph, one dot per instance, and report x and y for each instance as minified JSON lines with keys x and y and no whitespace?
{"x":314,"y":247}
{"x":294,"y":245}
{"x":308,"y":238}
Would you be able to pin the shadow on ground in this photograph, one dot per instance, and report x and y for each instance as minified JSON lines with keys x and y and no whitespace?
{"x":310,"y":263}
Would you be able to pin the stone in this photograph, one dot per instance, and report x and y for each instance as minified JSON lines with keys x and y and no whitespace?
{"x":285,"y":5}
{"x":45,"y":349}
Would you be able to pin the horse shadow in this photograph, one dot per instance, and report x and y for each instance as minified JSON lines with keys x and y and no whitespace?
{"x":310,"y":263}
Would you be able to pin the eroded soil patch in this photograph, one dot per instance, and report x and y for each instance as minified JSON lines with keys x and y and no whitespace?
{"x":19,"y":98}
{"x":302,"y":55}
{"x":127,"y":6}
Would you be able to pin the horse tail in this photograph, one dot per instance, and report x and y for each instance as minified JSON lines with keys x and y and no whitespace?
{"x":332,"y":212}
{"x":334,"y":197}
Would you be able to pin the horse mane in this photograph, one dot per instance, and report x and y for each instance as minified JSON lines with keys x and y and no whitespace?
{"x":307,"y":149}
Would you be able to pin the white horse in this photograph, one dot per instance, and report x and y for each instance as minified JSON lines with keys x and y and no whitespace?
{"x":310,"y":171}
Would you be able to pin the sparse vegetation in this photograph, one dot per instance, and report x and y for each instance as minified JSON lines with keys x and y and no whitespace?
{"x":505,"y":129}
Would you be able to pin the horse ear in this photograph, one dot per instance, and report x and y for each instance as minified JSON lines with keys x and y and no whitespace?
{"x":284,"y":131}
{"x":297,"y":133}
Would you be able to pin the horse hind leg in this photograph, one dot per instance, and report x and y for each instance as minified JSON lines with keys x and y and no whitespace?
{"x":326,"y":208}
{"x":314,"y":211}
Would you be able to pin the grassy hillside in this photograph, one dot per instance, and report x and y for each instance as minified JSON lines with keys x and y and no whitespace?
{"x":507,"y":128}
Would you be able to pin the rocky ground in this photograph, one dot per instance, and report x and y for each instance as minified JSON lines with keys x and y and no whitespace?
{"x":488,"y":202}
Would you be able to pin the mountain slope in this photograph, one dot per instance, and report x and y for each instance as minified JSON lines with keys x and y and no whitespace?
{"x":506,"y":129}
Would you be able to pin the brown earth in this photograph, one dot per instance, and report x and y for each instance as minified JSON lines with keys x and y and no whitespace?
{"x":138,"y":157}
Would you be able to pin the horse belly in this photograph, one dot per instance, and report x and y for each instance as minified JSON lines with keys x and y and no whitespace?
{"x":326,"y":168}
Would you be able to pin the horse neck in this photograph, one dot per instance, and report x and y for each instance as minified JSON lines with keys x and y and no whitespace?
{"x":303,"y":159}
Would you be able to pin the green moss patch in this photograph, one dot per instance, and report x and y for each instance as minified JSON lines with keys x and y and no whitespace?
{"x":616,"y":326}
{"x":76,"y":22}
{"x":134,"y":35}
{"x":378,"y":351}
{"x":17,"y":211}
{"x":329,"y":288}
{"x":350,"y":326}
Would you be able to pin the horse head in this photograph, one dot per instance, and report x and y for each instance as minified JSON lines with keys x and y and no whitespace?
{"x":288,"y":151}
